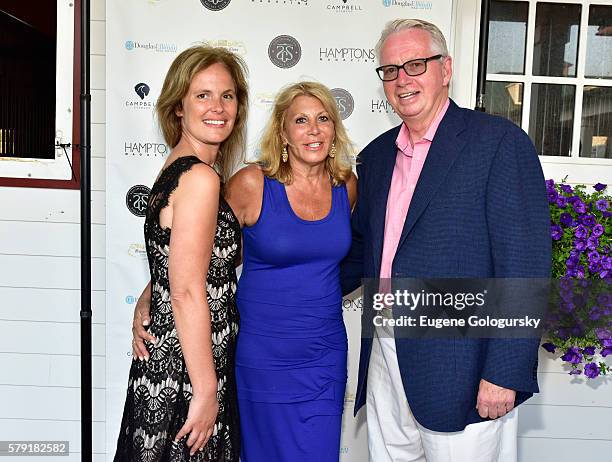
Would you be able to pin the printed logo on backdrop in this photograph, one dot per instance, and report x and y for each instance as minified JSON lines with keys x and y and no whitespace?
{"x":277,"y":3}
{"x":412,"y":4}
{"x":381,"y":105}
{"x":137,"y":250}
{"x":142,"y":92}
{"x":284,"y":51}
{"x":347,"y":54}
{"x":136,"y":199}
{"x":158,"y":47}
{"x":146,"y":149}
{"x":344,"y":101}
{"x":344,"y":6}
{"x":235,"y":46}
{"x":130,"y":299}
{"x":264,"y":99}
{"x":215,"y":5}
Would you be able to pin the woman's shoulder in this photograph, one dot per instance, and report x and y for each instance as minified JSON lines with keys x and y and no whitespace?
{"x":248,"y":179}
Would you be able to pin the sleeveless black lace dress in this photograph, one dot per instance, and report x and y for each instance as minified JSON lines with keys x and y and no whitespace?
{"x":159,"y":390}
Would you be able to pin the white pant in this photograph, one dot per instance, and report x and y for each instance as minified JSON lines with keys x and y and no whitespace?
{"x":395,"y":436}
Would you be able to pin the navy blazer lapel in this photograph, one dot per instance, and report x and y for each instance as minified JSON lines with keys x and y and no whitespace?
{"x":446,"y":146}
{"x":381,"y":183}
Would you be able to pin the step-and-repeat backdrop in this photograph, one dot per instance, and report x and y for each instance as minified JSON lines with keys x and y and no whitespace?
{"x":282,"y":41}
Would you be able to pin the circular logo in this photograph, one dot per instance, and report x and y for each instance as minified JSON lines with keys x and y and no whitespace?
{"x":284,"y":51}
{"x":130,"y":300}
{"x":129,"y":45}
{"x":215,"y":5}
{"x":344,"y":102}
{"x":137,"y":199}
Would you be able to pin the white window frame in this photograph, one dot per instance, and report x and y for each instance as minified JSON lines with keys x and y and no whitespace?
{"x":57,"y":168}
{"x":579,"y":81}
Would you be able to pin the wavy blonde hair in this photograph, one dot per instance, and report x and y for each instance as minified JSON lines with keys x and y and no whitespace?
{"x":176,"y":85}
{"x":338,"y":167}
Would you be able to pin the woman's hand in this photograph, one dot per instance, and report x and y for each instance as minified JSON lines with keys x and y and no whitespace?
{"x":141,"y":320}
{"x":200,"y":421}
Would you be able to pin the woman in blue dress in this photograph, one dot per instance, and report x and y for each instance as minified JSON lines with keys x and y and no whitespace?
{"x":294,"y":206}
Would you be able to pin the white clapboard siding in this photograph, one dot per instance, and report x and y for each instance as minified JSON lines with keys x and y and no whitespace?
{"x":48,"y":205}
{"x":565,"y":421}
{"x":52,"y":370}
{"x":563,"y":449}
{"x":47,"y":338}
{"x":51,"y":430}
{"x":50,"y":305}
{"x":50,"y":239}
{"x":48,"y":272}
{"x":40,"y":293}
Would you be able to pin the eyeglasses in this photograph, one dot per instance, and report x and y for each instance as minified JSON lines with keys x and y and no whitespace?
{"x":413,"y":68}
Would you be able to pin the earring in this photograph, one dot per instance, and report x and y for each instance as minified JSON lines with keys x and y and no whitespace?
{"x":332,"y":152}
{"x":285,"y":154}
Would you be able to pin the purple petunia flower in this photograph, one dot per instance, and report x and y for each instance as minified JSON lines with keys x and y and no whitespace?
{"x":588,"y":220}
{"x":593,"y":243}
{"x":598,"y":187}
{"x":602,"y":205}
{"x":550,"y":347}
{"x":589,"y":351}
{"x":607,"y":214}
{"x":591,"y":370}
{"x":551,"y":184}
{"x":566,"y":188}
{"x":556,"y":232}
{"x":552,"y":195}
{"x":579,"y":206}
{"x":580,"y":272}
{"x":580,"y":245}
{"x":572,"y":355}
{"x":593,"y":256}
{"x":561,"y":202}
{"x":605,"y":352}
{"x":594,"y":267}
{"x":598,"y":230}
{"x":566,"y":219}
{"x":581,"y":232}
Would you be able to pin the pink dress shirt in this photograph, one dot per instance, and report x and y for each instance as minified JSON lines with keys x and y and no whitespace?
{"x":408,"y":165}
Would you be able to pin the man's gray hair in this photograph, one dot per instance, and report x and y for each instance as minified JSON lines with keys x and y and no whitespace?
{"x":438,"y":42}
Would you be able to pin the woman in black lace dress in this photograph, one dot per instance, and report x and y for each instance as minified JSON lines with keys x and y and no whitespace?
{"x":181,"y":403}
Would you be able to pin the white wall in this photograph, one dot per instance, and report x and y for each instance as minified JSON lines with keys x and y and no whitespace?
{"x":40,"y":297}
{"x":40,"y":302}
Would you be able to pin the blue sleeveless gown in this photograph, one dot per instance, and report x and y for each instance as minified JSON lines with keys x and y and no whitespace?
{"x":291,"y":352}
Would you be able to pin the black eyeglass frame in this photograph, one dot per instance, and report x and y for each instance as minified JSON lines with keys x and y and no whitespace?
{"x":403,"y":66}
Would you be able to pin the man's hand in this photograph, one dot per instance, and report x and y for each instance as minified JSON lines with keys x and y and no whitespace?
{"x":494,"y":401}
{"x":141,"y":320}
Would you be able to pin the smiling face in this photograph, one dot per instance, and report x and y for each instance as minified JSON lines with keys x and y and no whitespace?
{"x":208,"y":110}
{"x":308,"y":130}
{"x":417,"y":99}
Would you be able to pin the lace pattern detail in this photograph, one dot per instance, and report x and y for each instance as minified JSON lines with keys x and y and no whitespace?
{"x":159,"y":390}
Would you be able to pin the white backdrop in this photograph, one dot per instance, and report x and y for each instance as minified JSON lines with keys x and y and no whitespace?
{"x":330,"y":41}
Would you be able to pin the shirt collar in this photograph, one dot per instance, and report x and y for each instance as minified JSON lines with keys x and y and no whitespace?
{"x":403,"y":138}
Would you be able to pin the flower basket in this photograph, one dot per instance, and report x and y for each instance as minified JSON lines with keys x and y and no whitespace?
{"x":579,"y":321}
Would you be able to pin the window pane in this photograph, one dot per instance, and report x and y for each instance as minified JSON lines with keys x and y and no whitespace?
{"x":505,"y":99}
{"x":551,"y":118}
{"x":556,"y":39}
{"x":27,"y":79}
{"x":507,"y":36}
{"x":599,"y":43}
{"x":596,"y":129}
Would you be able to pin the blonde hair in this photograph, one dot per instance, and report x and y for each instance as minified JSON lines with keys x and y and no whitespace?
{"x":176,"y":85}
{"x":438,"y":42}
{"x":338,"y":167}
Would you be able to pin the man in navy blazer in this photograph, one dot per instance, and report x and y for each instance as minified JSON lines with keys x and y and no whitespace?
{"x":450,"y":193}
